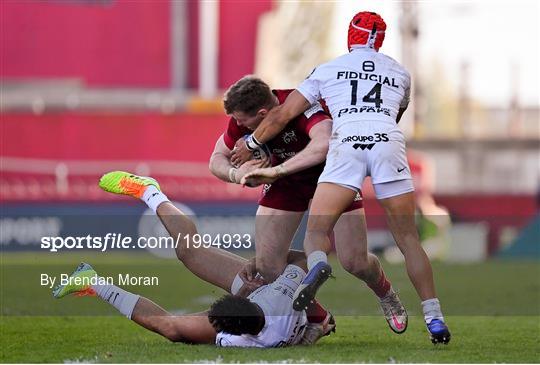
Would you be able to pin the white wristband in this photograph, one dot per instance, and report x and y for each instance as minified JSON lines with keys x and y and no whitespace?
{"x":232,"y":175}
{"x":252,"y":143}
{"x":281,"y":171}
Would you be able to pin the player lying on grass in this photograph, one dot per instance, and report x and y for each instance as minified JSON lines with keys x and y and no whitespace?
{"x":297,"y":156}
{"x":264,"y":319}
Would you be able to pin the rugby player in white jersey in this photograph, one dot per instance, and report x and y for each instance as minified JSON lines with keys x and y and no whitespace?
{"x":265,"y":318}
{"x":366,"y":92}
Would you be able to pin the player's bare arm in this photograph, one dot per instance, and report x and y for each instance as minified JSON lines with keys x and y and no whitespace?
{"x":274,"y":122}
{"x":313,"y":154}
{"x":278,"y":117}
{"x":220,"y":161}
{"x":222,"y":167}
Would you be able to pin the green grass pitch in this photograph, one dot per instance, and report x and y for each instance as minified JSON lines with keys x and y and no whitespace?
{"x":492,"y":309}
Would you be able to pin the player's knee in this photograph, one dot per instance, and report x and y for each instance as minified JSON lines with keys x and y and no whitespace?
{"x":317,"y":232}
{"x":357,"y":265}
{"x":183,"y":250}
{"x":270,"y":270}
{"x":316,"y":235}
{"x":408,"y":242}
{"x":184,"y":253}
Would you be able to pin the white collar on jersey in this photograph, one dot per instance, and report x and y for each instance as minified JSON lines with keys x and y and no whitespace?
{"x":364,"y":47}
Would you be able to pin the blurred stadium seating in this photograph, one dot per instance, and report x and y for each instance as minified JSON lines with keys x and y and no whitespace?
{"x":92,"y":86}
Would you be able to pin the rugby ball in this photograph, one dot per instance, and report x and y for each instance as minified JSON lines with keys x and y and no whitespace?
{"x":261,"y":152}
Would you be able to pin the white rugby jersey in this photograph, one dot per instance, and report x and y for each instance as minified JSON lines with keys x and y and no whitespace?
{"x":363,"y":85}
{"x":283,"y":325}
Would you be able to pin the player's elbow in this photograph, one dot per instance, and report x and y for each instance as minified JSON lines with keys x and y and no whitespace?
{"x":320,"y":151}
{"x":214,"y":167}
{"x":212,"y":164}
{"x":323,"y":148}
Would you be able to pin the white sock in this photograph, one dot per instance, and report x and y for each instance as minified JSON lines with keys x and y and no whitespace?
{"x":153,"y":197}
{"x":432,"y":310}
{"x":315,"y":257}
{"x":236,"y":284}
{"x":119,"y":298}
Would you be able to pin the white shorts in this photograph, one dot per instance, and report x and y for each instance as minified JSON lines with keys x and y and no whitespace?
{"x":353,"y":155}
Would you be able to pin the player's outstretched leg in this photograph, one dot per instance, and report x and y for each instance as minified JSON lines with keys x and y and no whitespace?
{"x":352,"y":252}
{"x":85,"y":281}
{"x":316,"y":243}
{"x":214,"y":265}
{"x":329,"y":202}
{"x":400,"y":210}
{"x":189,"y":328}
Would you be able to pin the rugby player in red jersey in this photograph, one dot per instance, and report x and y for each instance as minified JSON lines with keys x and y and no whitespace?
{"x":298,"y":153}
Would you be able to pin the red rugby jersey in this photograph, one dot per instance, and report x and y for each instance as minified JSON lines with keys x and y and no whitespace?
{"x":293,"y":139}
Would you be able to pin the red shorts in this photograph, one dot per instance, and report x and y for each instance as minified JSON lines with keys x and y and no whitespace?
{"x":294,"y":195}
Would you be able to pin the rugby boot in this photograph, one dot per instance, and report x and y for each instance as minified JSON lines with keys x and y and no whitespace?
{"x":308,"y":287}
{"x":394,"y":312}
{"x":78,"y":282}
{"x":120,"y":182}
{"x":438,"y":331}
{"x":315,"y":331}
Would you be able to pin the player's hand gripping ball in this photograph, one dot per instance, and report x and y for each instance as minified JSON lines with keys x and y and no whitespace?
{"x":260,"y":153}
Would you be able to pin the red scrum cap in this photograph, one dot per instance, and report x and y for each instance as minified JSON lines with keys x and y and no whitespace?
{"x":366,"y":28}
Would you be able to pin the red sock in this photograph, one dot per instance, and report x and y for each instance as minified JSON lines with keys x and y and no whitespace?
{"x":315,"y":312}
{"x":382,"y":286}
